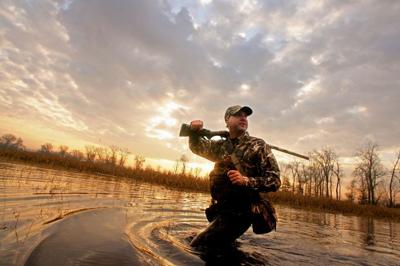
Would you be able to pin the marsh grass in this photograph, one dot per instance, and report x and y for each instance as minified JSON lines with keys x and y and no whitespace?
{"x":334,"y":206}
{"x":189,"y":182}
{"x":183,"y":181}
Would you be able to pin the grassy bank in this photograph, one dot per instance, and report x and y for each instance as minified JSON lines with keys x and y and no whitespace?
{"x":334,"y":206}
{"x":182,"y":181}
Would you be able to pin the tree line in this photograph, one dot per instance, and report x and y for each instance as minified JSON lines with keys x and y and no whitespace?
{"x":322,"y":176}
{"x":371,"y":182}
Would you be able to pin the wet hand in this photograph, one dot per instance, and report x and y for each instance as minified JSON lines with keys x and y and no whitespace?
{"x":237,"y":178}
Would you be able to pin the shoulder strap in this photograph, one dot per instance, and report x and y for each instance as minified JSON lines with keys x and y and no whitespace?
{"x":236,"y":162}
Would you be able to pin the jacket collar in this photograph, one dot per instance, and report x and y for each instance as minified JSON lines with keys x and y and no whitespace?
{"x":240,"y":139}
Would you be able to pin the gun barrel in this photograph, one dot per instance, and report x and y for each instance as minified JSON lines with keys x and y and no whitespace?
{"x":290,"y":152}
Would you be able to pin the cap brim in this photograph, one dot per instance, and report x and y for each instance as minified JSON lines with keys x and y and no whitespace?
{"x":247,"y":110}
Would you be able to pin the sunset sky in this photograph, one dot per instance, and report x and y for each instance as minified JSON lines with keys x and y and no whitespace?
{"x":128,"y":73}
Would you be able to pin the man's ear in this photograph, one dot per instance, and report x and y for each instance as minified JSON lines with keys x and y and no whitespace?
{"x":226,"y":122}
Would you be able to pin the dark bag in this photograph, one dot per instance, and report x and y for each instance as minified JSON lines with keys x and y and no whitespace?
{"x":263,"y":217}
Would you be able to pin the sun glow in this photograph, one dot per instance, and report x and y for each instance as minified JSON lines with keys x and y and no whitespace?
{"x":161,"y":125}
{"x":196,"y":168}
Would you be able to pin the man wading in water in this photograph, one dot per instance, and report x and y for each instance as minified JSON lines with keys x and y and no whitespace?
{"x":244,"y":167}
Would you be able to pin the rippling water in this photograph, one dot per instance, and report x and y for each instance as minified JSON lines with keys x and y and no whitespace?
{"x":53,"y":217}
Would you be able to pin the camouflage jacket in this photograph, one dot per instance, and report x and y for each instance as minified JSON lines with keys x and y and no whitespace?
{"x":256,"y":160}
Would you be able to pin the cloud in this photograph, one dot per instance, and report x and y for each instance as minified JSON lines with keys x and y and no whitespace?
{"x":315,"y":73}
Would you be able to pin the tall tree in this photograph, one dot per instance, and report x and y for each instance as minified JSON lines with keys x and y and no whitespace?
{"x":295,"y":171}
{"x":46,"y":148}
{"x":369,"y":170}
{"x":139,"y":161}
{"x":196,"y":171}
{"x":90,"y":153}
{"x":392,"y":182}
{"x":315,"y":173}
{"x":351,"y":190}
{"x":286,"y":186}
{"x":123,"y":155}
{"x":101,"y":154}
{"x":11,"y":141}
{"x":339,"y":174}
{"x":326,"y":159}
{"x":78,"y":155}
{"x":62,"y":150}
{"x":113,"y":154}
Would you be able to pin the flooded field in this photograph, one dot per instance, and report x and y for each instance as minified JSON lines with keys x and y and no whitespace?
{"x":53,"y":217}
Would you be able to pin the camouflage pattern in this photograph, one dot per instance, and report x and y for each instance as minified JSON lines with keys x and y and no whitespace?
{"x":256,"y":159}
{"x":231,"y":212}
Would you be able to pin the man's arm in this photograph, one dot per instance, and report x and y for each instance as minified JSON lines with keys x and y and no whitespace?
{"x":205,"y":148}
{"x":269,"y":181}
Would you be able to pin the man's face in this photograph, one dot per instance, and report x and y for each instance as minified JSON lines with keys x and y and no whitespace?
{"x":237,"y":122}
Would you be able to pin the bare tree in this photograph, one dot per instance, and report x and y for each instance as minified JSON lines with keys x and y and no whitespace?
{"x":46,"y":148}
{"x":176,"y":166}
{"x":77,"y":154}
{"x":306,"y":177}
{"x":294,"y":167}
{"x":183,"y":160}
{"x":392,"y":182}
{"x":362,"y":191}
{"x":196,"y":171}
{"x":315,"y":175}
{"x":113,"y":154}
{"x":302,"y":178}
{"x":101,"y":154}
{"x":326,"y":159}
{"x":369,"y":170}
{"x":123,"y":155}
{"x":90,"y":153}
{"x":139,"y":161}
{"x":286,"y":186}
{"x":62,"y":150}
{"x":381,"y":192}
{"x":11,"y":141}
{"x":7,"y":139}
{"x":339,"y":174}
{"x":351,"y":190}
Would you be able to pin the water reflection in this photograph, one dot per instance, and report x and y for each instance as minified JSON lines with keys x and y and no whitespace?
{"x":369,"y":238}
{"x":50,"y":216}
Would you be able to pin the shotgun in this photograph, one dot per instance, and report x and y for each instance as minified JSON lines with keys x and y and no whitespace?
{"x":186,"y":131}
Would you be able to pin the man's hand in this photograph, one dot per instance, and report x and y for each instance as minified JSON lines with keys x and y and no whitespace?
{"x":196,"y":125}
{"x":237,"y":178}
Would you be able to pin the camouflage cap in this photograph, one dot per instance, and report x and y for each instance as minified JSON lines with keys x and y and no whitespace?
{"x":237,"y":108}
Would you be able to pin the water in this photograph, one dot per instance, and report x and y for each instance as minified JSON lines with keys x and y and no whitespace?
{"x":53,"y":217}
